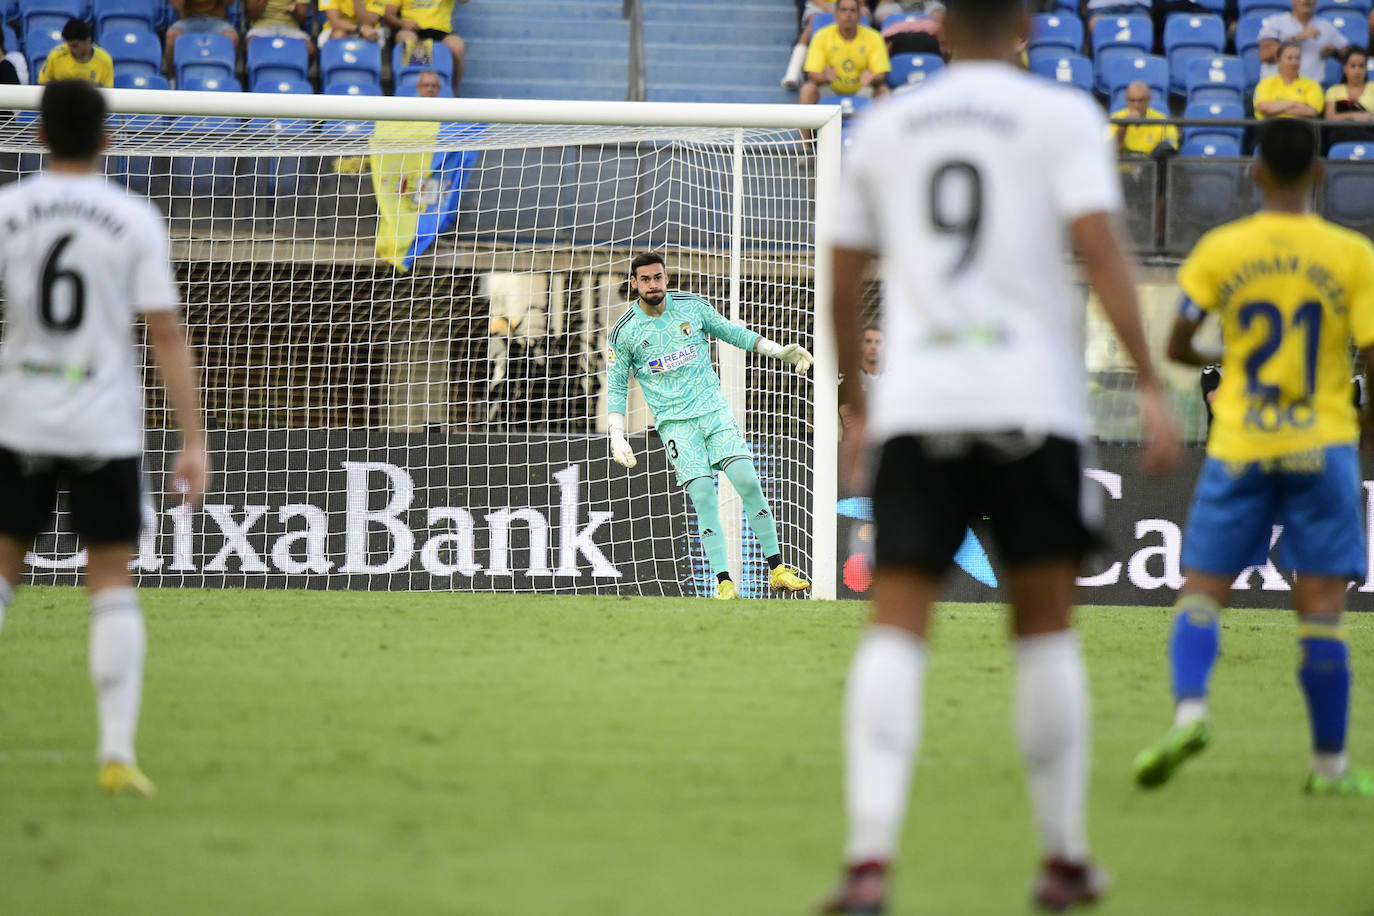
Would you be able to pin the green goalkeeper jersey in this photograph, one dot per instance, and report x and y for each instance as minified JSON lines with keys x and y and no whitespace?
{"x":671,"y":357}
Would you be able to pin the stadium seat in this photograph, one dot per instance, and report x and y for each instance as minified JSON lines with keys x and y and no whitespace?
{"x":352,"y":87}
{"x":134,"y":52}
{"x":1187,"y":37}
{"x":1332,"y":74}
{"x":1051,"y":30}
{"x":1120,"y":72}
{"x":1352,"y":7}
{"x":1352,"y":150}
{"x":1215,"y":147}
{"x":115,"y":16}
{"x":153,"y":81}
{"x":1261,"y":8}
{"x":50,"y":14}
{"x":38,"y":44}
{"x":200,"y":124}
{"x":1070,"y":69}
{"x":408,"y":71}
{"x":1218,"y":78}
{"x":909,"y":69}
{"x":203,"y":56}
{"x":350,"y":60}
{"x":1219,"y":111}
{"x":282,"y":125}
{"x":848,"y":104}
{"x":271,"y":60}
{"x":1247,"y":47}
{"x":1354,"y":26}
{"x":1119,"y":36}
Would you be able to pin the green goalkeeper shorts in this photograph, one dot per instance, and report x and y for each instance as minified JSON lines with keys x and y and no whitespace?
{"x":701,"y":445}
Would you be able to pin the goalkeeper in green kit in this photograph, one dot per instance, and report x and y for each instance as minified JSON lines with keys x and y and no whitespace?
{"x":663,"y":341}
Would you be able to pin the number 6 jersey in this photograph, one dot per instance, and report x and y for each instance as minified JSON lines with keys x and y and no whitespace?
{"x":79,"y":257}
{"x":965,"y":189}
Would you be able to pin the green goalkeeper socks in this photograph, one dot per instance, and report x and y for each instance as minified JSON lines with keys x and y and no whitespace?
{"x":702,"y":493}
{"x":746,"y":482}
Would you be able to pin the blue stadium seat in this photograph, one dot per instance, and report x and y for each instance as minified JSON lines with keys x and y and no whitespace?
{"x":1353,"y":7}
{"x":115,"y":16}
{"x":1070,"y":69}
{"x":139,"y":81}
{"x":1121,"y":71}
{"x":1119,"y":36}
{"x":848,"y":104}
{"x":282,"y":125}
{"x":1333,"y":73}
{"x":208,"y":124}
{"x":1218,"y":110}
{"x":350,"y":128}
{"x":1051,"y":30}
{"x":1261,"y":8}
{"x":1222,"y":147}
{"x":353,"y":87}
{"x":134,"y":52}
{"x":350,"y":60}
{"x":1352,"y":149}
{"x":1186,"y":37}
{"x":38,"y":44}
{"x":11,"y":37}
{"x":1218,"y":78}
{"x":50,"y":14}
{"x":900,"y":17}
{"x":273,"y":59}
{"x":203,"y":56}
{"x":405,"y":69}
{"x":909,"y":69}
{"x":1354,"y":26}
{"x":1247,"y":47}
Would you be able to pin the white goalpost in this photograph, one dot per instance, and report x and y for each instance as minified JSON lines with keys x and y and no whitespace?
{"x":400,"y":309}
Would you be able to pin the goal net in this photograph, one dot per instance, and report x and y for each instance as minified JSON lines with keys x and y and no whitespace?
{"x":400,"y":309}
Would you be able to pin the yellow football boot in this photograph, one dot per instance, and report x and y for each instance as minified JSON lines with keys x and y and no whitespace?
{"x":783,"y":579}
{"x":125,"y":779}
{"x":726,"y":590}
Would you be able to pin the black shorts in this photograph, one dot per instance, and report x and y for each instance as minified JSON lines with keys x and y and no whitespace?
{"x":930,"y":489}
{"x":106,"y":496}
{"x":433,"y":34}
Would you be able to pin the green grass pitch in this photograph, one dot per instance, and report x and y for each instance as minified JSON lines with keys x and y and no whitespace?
{"x":349,"y":753}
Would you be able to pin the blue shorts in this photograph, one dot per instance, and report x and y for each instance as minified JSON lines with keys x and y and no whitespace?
{"x":1316,"y":496}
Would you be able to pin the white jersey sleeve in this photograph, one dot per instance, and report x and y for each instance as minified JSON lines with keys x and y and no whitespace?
{"x":854,"y":221}
{"x":1085,"y":177}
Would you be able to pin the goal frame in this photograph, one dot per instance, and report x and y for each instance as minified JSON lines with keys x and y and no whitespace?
{"x":825,"y":120}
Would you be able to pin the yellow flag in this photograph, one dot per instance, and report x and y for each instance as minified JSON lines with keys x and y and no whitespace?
{"x":403,"y":184}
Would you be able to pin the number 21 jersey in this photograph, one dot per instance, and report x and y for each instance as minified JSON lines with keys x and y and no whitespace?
{"x":79,"y":257}
{"x":965,"y":189}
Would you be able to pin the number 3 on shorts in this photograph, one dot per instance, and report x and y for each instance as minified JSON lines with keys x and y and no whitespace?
{"x":672,"y":449}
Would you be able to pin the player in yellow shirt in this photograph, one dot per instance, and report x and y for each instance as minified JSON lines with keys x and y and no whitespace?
{"x":428,"y":20}
{"x":354,"y":19}
{"x":1290,"y":290}
{"x":1286,"y":94}
{"x":78,"y":58}
{"x":845,"y":58}
{"x":1141,"y":139}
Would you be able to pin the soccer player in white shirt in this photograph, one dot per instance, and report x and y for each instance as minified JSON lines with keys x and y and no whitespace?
{"x":966,"y":191}
{"x":79,"y":259}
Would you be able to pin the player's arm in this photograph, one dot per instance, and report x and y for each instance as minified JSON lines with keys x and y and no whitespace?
{"x":1182,"y":347}
{"x":617,"y":393}
{"x":1109,"y":273}
{"x":253,"y":9}
{"x":167,"y":342}
{"x":716,"y":324}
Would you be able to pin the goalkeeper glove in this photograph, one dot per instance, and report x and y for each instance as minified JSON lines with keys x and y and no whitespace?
{"x":792,"y":353}
{"x":620,"y":446}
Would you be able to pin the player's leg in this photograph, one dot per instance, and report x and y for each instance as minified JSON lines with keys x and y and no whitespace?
{"x":28,"y":491}
{"x":685,"y":444}
{"x":11,"y":571}
{"x":1042,"y":525}
{"x":458,"y":48}
{"x":920,"y":514}
{"x":1229,"y":527}
{"x":1324,"y":539}
{"x":106,"y":514}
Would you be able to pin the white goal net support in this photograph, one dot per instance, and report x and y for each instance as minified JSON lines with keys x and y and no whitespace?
{"x":400,"y":309}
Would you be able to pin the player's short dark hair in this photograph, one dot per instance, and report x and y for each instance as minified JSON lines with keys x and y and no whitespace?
{"x":73,"y":113}
{"x":872,"y":326}
{"x":77,"y":30}
{"x":1288,"y":149}
{"x":983,"y":15}
{"x":644,"y":259}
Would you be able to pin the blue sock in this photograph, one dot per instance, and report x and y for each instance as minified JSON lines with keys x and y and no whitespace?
{"x":1193,"y":645}
{"x":1325,"y":678}
{"x":702,"y":493}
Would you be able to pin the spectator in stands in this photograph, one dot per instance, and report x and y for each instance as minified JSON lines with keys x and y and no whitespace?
{"x":429,"y":84}
{"x":197,"y":17}
{"x":925,"y":35}
{"x":1351,"y":102}
{"x":354,"y":19}
{"x":78,"y":57}
{"x":1096,"y":9}
{"x":1142,"y":139}
{"x":870,"y":367}
{"x":279,"y":19}
{"x":1318,"y":39}
{"x":845,"y":58}
{"x":794,"y":76}
{"x":9,"y":71}
{"x":431,"y":20}
{"x":1288,"y":94}
{"x":884,"y":9}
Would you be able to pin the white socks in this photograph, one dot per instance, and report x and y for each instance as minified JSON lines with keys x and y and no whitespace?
{"x":1052,"y":724}
{"x":6,"y":598}
{"x":793,"y":77}
{"x":882,"y":728}
{"x":1189,"y":711}
{"x":118,"y":643}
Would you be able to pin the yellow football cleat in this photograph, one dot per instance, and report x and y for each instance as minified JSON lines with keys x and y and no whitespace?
{"x":783,"y":579}
{"x":125,"y":779}
{"x":726,"y":590}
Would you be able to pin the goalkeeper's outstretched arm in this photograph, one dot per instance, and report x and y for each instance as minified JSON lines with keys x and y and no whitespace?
{"x":717,"y":326}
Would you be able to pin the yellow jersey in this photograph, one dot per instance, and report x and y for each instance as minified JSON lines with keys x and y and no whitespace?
{"x":345,"y":7}
{"x":1341,"y":93}
{"x":429,"y":14}
{"x":1302,"y":89}
{"x":849,"y":58}
{"x":1290,"y":290}
{"x":1143,"y":138}
{"x":60,"y":65}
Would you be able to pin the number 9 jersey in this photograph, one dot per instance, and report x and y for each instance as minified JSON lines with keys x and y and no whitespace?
{"x":965,"y":189}
{"x":1290,"y":290}
{"x":79,"y":257}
